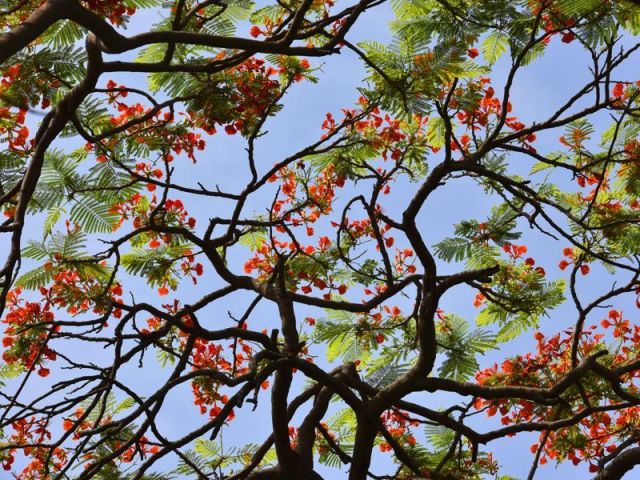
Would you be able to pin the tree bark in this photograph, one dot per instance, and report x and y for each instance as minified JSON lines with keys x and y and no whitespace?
{"x":621,"y":465}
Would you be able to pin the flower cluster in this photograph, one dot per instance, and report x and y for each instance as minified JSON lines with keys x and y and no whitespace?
{"x":28,"y":329}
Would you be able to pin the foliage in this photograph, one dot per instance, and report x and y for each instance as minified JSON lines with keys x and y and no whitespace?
{"x":339,"y":309}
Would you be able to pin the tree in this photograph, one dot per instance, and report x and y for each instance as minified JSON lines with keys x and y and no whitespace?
{"x":354,"y":341}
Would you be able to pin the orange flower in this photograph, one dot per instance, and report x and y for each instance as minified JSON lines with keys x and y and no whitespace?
{"x":618,"y":90}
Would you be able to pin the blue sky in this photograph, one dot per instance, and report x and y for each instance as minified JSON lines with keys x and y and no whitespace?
{"x":538,"y":90}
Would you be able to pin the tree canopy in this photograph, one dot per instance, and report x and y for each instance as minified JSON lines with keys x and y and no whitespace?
{"x":153,"y":300}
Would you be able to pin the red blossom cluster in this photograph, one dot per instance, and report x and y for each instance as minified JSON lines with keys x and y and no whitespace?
{"x":77,"y":422}
{"x":187,"y":142}
{"x":266,"y":257}
{"x":250,"y":91}
{"x":594,"y":436}
{"x":140,"y":208}
{"x":514,"y":251}
{"x":176,"y":136}
{"x":623,"y":91}
{"x":554,"y":21}
{"x":206,"y":355}
{"x":571,"y":257}
{"x":404,"y":261}
{"x":141,"y":447}
{"x":320,"y":194}
{"x":323,"y":446}
{"x":28,"y":329}
{"x":33,"y":431}
{"x":12,"y":119}
{"x":115,"y":11}
{"x":398,"y":424}
{"x":621,"y":327}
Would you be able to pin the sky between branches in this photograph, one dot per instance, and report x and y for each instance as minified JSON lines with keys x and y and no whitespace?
{"x":538,"y":90}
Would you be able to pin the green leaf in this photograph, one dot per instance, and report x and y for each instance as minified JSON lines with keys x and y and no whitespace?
{"x":52,"y":219}
{"x":578,"y":8}
{"x":253,"y":239}
{"x":124,"y":405}
{"x":436,"y":132}
{"x":35,"y":278}
{"x":338,"y":332}
{"x":386,"y":373}
{"x":35,"y":250}
{"x":494,"y":46}
{"x":63,"y":33}
{"x":206,"y":448}
{"x":164,"y":357}
{"x":461,"y":347}
{"x":93,"y":216}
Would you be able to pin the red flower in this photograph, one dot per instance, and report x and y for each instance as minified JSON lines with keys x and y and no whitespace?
{"x":324,"y":242}
{"x":618,"y":90}
{"x":514,"y":251}
{"x":255,"y":31}
{"x":473,"y":52}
